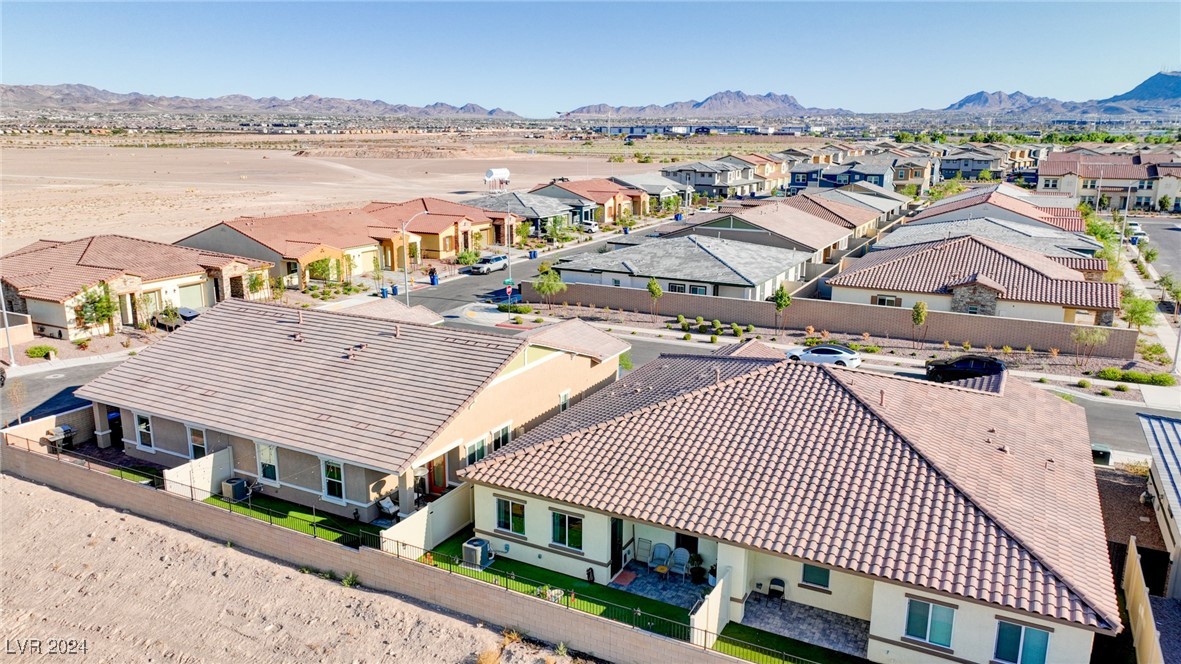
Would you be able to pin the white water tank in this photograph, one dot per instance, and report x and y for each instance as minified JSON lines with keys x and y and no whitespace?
{"x":496,"y":175}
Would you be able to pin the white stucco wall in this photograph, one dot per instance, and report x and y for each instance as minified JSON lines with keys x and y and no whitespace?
{"x":1031,"y":311}
{"x":973,"y":630}
{"x":850,"y":595}
{"x":865,"y":296}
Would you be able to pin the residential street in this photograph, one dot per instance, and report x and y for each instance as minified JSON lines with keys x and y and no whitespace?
{"x":42,"y":393}
{"x":1165,"y":235}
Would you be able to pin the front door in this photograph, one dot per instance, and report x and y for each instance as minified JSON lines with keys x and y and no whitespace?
{"x":616,"y":546}
{"x":437,"y":475}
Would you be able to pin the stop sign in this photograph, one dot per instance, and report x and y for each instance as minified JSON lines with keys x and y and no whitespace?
{"x":508,"y":290}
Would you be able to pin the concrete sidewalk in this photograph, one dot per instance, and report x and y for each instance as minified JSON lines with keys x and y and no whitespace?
{"x":1163,"y":330}
{"x":56,"y":365}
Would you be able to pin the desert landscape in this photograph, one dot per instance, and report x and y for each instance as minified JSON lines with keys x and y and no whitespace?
{"x":164,"y":194}
{"x":124,"y":584}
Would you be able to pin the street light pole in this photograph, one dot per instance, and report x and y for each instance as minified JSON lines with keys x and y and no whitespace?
{"x":406,"y":254}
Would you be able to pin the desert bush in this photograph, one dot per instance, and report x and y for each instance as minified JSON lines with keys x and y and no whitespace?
{"x":1007,"y":350}
{"x":713,"y":338}
{"x":684,"y":326}
{"x":37,"y":352}
{"x":687,"y":337}
{"x":514,"y":308}
{"x":1122,"y":387}
{"x":871,"y":349}
{"x":1084,"y":383}
{"x":967,"y":345}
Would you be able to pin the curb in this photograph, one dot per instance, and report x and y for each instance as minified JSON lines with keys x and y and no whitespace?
{"x":55,"y":365}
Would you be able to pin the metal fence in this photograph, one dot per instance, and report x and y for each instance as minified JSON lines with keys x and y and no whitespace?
{"x":563,"y":597}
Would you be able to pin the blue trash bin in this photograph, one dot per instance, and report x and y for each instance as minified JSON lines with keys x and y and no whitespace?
{"x":434,"y":280}
{"x":532,"y":254}
{"x":627,"y":231}
{"x":678,"y":217}
{"x":395,"y":291}
{"x":385,"y":292}
{"x":1135,"y":240}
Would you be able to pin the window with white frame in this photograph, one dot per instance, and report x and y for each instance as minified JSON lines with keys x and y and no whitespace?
{"x":501,"y":437}
{"x":563,"y":401}
{"x":929,"y":622}
{"x":886,"y":300}
{"x":196,"y":443}
{"x":268,"y":463}
{"x":1020,"y":644}
{"x":333,"y":480}
{"x":567,"y":530}
{"x":143,"y":431}
{"x":697,"y":290}
{"x":1089,"y":184}
{"x":972,"y":309}
{"x":510,"y":516}
{"x":1143,"y":184}
{"x":476,"y":450}
{"x":676,"y":288}
{"x":1050,"y":183}
{"x":801,"y":177}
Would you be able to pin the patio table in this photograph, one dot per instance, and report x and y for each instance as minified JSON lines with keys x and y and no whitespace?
{"x":662,"y":570}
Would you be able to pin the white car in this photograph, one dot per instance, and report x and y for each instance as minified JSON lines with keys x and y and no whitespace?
{"x":490,"y":264}
{"x":838,"y":355}
{"x":588,"y":227}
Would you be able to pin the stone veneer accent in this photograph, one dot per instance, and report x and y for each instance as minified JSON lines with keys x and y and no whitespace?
{"x":981,"y":296}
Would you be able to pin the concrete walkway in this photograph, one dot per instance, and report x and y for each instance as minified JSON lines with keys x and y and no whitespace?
{"x":57,"y":365}
{"x":1163,"y":330}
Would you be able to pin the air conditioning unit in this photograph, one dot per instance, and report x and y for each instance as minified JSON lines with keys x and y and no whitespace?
{"x":1147,"y":498}
{"x":477,"y":552}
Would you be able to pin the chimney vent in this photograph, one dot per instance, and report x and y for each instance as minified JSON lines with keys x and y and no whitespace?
{"x":297,"y":336}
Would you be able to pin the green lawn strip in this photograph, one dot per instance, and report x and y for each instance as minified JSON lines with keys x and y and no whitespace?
{"x":735,"y":639}
{"x":137,"y":473}
{"x":295,"y":517}
{"x":593,"y":598}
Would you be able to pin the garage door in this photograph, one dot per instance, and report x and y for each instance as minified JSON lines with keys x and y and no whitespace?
{"x":193,"y":296}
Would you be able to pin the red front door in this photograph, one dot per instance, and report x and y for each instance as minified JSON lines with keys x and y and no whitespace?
{"x":437,"y":475}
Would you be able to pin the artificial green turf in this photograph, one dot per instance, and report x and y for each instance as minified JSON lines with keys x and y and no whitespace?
{"x":137,"y":473}
{"x":296,"y":517}
{"x":736,"y":639}
{"x":589,"y":597}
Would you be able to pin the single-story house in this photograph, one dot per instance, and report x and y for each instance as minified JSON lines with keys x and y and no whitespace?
{"x":694,"y":264}
{"x":774,"y":224}
{"x":1004,"y":201}
{"x":48,"y":280}
{"x":875,"y":504}
{"x":536,"y":211}
{"x":1043,"y":240}
{"x":446,"y":228}
{"x":346,"y":241}
{"x":860,"y":220}
{"x":973,"y":275}
{"x":597,"y":199}
{"x":388,"y":409}
{"x":661,"y":190}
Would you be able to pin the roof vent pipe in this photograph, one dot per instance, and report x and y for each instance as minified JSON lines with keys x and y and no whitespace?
{"x":397,"y":331}
{"x":300,"y":317}
{"x":882,"y":398}
{"x":717,"y":374}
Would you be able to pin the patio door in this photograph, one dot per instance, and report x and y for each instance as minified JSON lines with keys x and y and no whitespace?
{"x":437,"y":475}
{"x":616,"y":546}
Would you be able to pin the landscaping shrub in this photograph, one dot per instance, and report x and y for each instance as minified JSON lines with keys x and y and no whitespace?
{"x":737,"y":329}
{"x":1084,"y":383}
{"x":681,"y":319}
{"x":684,"y":326}
{"x":854,"y":346}
{"x":713,"y":338}
{"x":811,"y":341}
{"x":1161,"y":379}
{"x":1042,"y":380}
{"x":750,"y":329}
{"x":1122,"y":387}
{"x":518,"y":320}
{"x":1006,"y":349}
{"x":1109,"y":373}
{"x":700,"y":320}
{"x":717,"y":324}
{"x":1104,"y":393}
{"x":967,"y":345}
{"x":36,"y":352}
{"x":871,"y":349}
{"x":703,"y":327}
{"x":515,"y":308}
{"x":687,"y":337}
{"x":82,"y":344}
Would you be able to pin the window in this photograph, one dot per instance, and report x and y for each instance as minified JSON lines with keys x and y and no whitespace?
{"x":292,"y":267}
{"x":801,"y":177}
{"x":972,"y":309}
{"x":476,"y":450}
{"x":929,"y":622}
{"x":447,"y":243}
{"x":1050,"y":183}
{"x":1144,"y":184}
{"x":567,"y":530}
{"x":1018,"y":644}
{"x":501,"y":437}
{"x":676,"y":288}
{"x":510,"y":516}
{"x":143,"y":431}
{"x":816,"y":576}
{"x":697,"y":290}
{"x":268,"y":463}
{"x":333,"y":480}
{"x":614,"y":282}
{"x":842,"y":179}
{"x":564,"y":401}
{"x":196,"y":443}
{"x":902,"y":175}
{"x":1089,"y":184}
{"x":886,"y":300}
{"x":1144,"y":201}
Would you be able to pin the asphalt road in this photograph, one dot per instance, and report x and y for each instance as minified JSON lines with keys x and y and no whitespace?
{"x":39,"y":394}
{"x":1165,"y":235}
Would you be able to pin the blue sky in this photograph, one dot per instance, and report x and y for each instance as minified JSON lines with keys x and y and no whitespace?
{"x":540,"y":58}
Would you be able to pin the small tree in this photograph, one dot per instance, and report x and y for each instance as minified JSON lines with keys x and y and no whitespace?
{"x":1164,"y":204}
{"x":1086,"y":341}
{"x":278,"y":288}
{"x":918,"y":319}
{"x":99,"y":307}
{"x":655,"y":292}
{"x":782,"y":300}
{"x":1139,"y":311}
{"x":985,"y":176}
{"x":548,"y":285}
{"x":1149,"y":253}
{"x":378,"y":275}
{"x":1104,"y":201}
{"x":255,"y":283}
{"x":523,"y":231}
{"x":320,"y":270}
{"x":545,"y":266}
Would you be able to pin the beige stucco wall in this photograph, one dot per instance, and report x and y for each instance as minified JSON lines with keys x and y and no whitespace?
{"x":973,"y":630}
{"x":851,"y":595}
{"x":536,"y":547}
{"x":245,"y":459}
{"x":866,"y":295}
{"x":523,"y":398}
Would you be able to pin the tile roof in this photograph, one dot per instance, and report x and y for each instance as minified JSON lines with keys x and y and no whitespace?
{"x":239,"y":368}
{"x":434,"y":215}
{"x":842,"y":214}
{"x":576,"y":336}
{"x":521,"y":204}
{"x":599,"y":190}
{"x":1068,"y":219}
{"x":692,"y":258}
{"x":849,"y":469}
{"x":1042,"y":239}
{"x":390,"y":308}
{"x":936,"y":267}
{"x":57,"y":271}
{"x":784,"y":220}
{"x":293,"y":235}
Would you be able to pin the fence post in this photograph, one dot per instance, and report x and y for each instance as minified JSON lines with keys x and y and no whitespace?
{"x":314,"y":529}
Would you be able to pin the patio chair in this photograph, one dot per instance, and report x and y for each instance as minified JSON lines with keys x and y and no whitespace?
{"x":776,"y":591}
{"x":387,"y":506}
{"x":679,"y":563}
{"x":660,"y":555}
{"x":643,"y":550}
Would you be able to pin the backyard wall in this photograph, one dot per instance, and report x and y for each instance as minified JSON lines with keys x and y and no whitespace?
{"x":81,"y":419}
{"x":1140,"y":619}
{"x":851,"y":318}
{"x":200,"y":478}
{"x":538,"y":618}
{"x":434,"y":524}
{"x":713,"y":613}
{"x":19,"y":329}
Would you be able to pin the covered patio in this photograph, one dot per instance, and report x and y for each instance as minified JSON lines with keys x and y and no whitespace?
{"x":635,"y":578}
{"x":809,"y":624}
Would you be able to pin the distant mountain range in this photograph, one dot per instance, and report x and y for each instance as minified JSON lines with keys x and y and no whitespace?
{"x":1160,"y":93}
{"x":87,"y":99}
{"x":728,"y":104}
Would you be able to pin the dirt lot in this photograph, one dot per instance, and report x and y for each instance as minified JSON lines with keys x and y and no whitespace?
{"x":137,"y":590}
{"x":165,"y":194}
